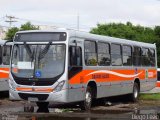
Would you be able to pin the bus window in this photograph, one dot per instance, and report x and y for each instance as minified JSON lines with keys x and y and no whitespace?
{"x":152,"y":57}
{"x":75,"y":56}
{"x":145,"y":57}
{"x":75,"y":60}
{"x":6,"y":55}
{"x":116,"y":55}
{"x":90,"y":53}
{"x":136,"y":56}
{"x":127,"y":55}
{"x":103,"y":54}
{"x":0,"y":55}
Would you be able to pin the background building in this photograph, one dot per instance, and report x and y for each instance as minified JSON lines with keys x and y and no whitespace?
{"x":3,"y":31}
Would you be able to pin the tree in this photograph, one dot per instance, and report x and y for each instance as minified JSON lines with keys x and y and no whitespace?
{"x":157,"y":31}
{"x":127,"y":31}
{"x":11,"y":32}
{"x":28,"y":26}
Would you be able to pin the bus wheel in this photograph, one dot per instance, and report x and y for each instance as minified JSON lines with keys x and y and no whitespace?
{"x":28,"y":108}
{"x":135,"y":94}
{"x":86,"y":104}
{"x":42,"y":106}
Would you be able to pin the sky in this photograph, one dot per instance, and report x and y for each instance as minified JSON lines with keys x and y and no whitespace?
{"x":64,"y":13}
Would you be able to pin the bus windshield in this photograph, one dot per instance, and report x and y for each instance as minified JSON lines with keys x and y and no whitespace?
{"x":38,"y":61}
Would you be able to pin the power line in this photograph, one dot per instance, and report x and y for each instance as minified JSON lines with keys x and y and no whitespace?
{"x":77,"y":21}
{"x":11,"y":19}
{"x":45,"y":22}
{"x":2,"y":17}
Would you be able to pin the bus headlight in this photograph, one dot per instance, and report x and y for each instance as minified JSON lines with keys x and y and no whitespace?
{"x":59,"y":86}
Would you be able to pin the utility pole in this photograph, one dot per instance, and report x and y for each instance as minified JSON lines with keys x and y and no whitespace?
{"x":11,"y":19}
{"x":78,"y":21}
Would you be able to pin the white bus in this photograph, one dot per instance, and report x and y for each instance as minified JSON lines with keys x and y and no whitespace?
{"x":5,"y":53}
{"x":68,"y":66}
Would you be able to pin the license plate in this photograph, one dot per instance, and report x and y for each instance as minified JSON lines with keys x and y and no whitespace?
{"x":32,"y":99}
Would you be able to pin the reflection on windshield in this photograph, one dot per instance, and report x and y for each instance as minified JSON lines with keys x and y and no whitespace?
{"x":38,"y":61}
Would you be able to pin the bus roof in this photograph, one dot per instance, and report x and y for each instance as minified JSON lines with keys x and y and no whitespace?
{"x":3,"y":42}
{"x":89,"y":36}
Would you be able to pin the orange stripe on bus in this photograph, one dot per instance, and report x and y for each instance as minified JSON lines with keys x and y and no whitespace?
{"x":4,"y":73}
{"x":158,"y":84}
{"x":33,"y":118}
{"x":111,"y":75}
{"x":152,"y":73}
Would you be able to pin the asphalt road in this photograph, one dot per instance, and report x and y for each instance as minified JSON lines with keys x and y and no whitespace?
{"x":116,"y":108}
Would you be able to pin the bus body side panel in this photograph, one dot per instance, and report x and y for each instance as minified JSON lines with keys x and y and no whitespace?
{"x":4,"y":85}
{"x":113,"y":82}
{"x":113,"y":89}
{"x":4,"y":75}
{"x":151,"y":76}
{"x":76,"y":92}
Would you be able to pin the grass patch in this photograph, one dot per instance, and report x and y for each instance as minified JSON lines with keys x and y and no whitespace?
{"x":150,"y":96}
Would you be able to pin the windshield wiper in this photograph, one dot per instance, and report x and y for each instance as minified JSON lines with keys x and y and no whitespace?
{"x":28,"y":49}
{"x":30,"y":53}
{"x":44,"y":51}
{"x":35,"y":53}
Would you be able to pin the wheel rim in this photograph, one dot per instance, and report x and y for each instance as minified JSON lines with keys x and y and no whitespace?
{"x":135,"y":92}
{"x":88,"y":99}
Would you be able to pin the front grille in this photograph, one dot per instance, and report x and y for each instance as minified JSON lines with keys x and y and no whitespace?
{"x":35,"y":83}
{"x":40,"y":97}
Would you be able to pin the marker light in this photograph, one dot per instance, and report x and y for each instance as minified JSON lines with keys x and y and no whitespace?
{"x":24,"y":89}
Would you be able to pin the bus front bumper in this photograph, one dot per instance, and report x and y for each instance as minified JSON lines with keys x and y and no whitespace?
{"x":39,"y":97}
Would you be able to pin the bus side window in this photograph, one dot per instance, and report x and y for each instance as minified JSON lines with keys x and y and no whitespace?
{"x":75,"y":56}
{"x":145,"y":57}
{"x":127,"y":55}
{"x":152,"y":57}
{"x":116,"y":54}
{"x":75,"y":61}
{"x":137,"y":56}
{"x":0,"y":55}
{"x":6,"y":55}
{"x":90,"y":55}
{"x":104,"y":54}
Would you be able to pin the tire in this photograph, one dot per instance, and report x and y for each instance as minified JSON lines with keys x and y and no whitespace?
{"x":42,"y":104}
{"x":135,"y":94}
{"x":42,"y":107}
{"x":87,"y":103}
{"x":28,"y":108}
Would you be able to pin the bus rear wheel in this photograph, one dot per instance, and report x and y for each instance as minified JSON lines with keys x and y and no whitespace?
{"x":42,"y":106}
{"x":135,"y":94}
{"x":87,"y":103}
